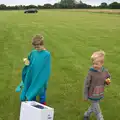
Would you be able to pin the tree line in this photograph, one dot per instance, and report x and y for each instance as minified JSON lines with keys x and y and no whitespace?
{"x":63,"y":4}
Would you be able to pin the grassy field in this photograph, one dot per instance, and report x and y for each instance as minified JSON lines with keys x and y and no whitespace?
{"x":71,"y":37}
{"x":109,"y":11}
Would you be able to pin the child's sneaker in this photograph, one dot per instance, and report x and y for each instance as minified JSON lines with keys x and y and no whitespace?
{"x":86,"y":118}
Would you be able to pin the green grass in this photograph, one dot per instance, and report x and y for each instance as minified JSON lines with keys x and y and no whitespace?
{"x":71,"y":37}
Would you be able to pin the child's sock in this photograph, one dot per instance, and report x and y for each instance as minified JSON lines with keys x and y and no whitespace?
{"x":44,"y":103}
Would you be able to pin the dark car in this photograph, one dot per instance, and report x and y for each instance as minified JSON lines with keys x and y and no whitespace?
{"x":31,"y":11}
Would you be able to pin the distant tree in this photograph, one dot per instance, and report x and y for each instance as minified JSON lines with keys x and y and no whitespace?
{"x":67,"y":3}
{"x":103,"y":5}
{"x":48,"y":6}
{"x":2,"y":7}
{"x":20,"y":7}
{"x":114,"y":5}
{"x":82,"y":5}
{"x":56,"y":5}
{"x":32,"y":6}
{"x":39,"y":7}
{"x":81,"y":2}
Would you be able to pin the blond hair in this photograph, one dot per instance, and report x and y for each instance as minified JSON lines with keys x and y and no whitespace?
{"x":98,"y":56}
{"x":38,"y":39}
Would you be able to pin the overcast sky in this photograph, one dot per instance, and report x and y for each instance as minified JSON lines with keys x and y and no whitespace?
{"x":42,"y":2}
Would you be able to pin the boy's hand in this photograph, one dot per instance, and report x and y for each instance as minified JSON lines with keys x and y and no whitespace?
{"x":26,"y":61}
{"x":107,"y":81}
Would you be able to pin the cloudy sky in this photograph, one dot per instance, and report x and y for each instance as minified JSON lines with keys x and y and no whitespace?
{"x":41,"y":2}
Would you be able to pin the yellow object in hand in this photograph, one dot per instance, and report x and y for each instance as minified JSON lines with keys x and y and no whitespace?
{"x":26,"y":61}
{"x":108,"y":81}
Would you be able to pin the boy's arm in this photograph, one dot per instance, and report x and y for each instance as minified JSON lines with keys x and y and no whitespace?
{"x":41,"y":79}
{"x":24,"y":79}
{"x":108,"y":78}
{"x":27,"y":60}
{"x":109,"y":75}
{"x":86,"y":86}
